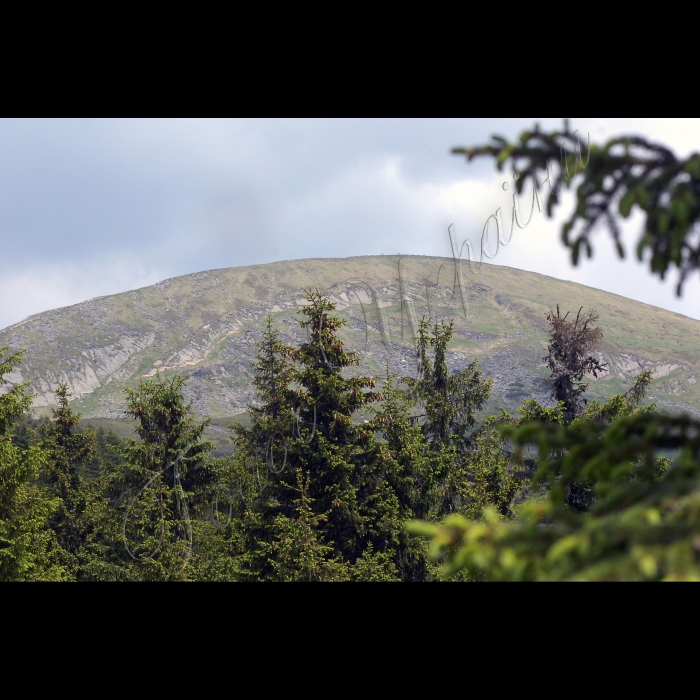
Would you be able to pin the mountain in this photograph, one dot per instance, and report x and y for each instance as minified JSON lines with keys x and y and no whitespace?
{"x":206,"y":325}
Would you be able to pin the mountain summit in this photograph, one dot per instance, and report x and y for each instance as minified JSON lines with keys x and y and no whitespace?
{"x":206,"y":325}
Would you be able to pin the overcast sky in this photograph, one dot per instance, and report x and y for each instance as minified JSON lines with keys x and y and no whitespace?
{"x":95,"y":207}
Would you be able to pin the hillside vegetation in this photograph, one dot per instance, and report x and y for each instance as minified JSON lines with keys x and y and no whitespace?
{"x":205,"y":326}
{"x":342,"y":470}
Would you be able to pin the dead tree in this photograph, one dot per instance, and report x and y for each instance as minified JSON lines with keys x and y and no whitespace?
{"x":569,"y":358}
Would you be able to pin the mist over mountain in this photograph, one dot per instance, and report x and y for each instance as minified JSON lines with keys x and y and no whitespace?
{"x":205,"y":326}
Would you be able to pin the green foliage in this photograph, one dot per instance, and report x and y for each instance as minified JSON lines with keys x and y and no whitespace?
{"x":16,"y":401}
{"x":337,"y":452}
{"x":331,"y":469}
{"x":449,"y":400}
{"x":471,"y":469}
{"x":357,"y":481}
{"x":492,"y":476}
{"x":627,"y":171}
{"x":375,"y":567}
{"x":106,"y":454}
{"x":274,"y":373}
{"x":162,"y":478}
{"x":310,"y":430}
{"x":642,"y":521}
{"x":297,"y":551}
{"x":67,"y":454}
{"x":262,"y":454}
{"x":28,"y":548}
{"x":615,"y":507}
{"x":623,"y":404}
{"x":24,"y":431}
{"x":412,"y":476}
{"x":532,"y":410}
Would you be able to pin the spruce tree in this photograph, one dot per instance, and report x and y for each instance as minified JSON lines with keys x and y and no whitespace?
{"x":306,"y":426}
{"x":411,"y":472}
{"x":298,"y":551}
{"x":68,"y":452}
{"x":569,"y":358}
{"x":162,"y":478}
{"x":28,"y":547}
{"x":450,"y":401}
{"x":642,"y":523}
{"x":356,"y":482}
{"x":273,"y":419}
{"x":262,"y":455}
{"x":339,"y":456}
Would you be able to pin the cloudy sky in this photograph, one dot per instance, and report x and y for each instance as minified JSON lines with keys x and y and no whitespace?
{"x":95,"y":207}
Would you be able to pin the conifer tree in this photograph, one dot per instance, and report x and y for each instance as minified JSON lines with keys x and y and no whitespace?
{"x":615,"y":177}
{"x":162,"y":478}
{"x":492,"y":475}
{"x":569,"y":358}
{"x":637,"y":520}
{"x":274,"y":417}
{"x":68,"y":452}
{"x":28,"y":547}
{"x":262,"y":451}
{"x":298,"y":551}
{"x":307,"y":428}
{"x":643,"y":520}
{"x":412,"y":472}
{"x":354,"y":490}
{"x":107,"y":451}
{"x":450,"y":401}
{"x":339,"y":456}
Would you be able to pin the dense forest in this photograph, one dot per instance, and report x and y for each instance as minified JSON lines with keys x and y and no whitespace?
{"x":341,"y":477}
{"x":322,"y":484}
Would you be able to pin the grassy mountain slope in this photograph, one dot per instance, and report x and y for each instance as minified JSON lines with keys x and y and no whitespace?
{"x":205,"y":326}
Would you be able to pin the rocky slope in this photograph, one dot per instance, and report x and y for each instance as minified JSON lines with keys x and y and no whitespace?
{"x":206,"y":326}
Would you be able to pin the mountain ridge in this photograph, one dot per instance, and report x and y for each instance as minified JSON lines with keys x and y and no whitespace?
{"x":204,"y":325}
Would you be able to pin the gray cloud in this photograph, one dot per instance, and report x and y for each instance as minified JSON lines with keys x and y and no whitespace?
{"x":91,"y":207}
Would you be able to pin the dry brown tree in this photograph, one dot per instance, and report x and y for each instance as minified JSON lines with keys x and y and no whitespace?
{"x":569,"y":358}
